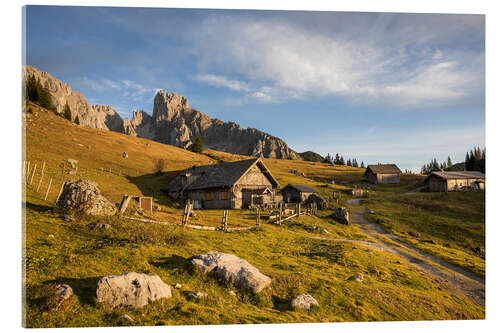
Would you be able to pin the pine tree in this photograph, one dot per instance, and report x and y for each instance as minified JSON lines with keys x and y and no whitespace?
{"x":32,"y":89}
{"x":337,"y":159}
{"x":355,"y":163}
{"x":449,"y":164}
{"x":77,"y":120}
{"x":328,"y":159}
{"x":472,"y":161}
{"x":197,"y":146}
{"x":467,"y":161}
{"x":67,"y":112}
{"x":362,"y":164}
{"x":349,"y":163}
{"x":341,"y":161}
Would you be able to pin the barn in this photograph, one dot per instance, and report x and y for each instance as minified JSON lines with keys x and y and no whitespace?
{"x":443,"y":181}
{"x":225,"y":185}
{"x":297,"y":192}
{"x":382,"y":174}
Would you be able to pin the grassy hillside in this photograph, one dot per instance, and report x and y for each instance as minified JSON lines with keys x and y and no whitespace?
{"x":299,"y":259}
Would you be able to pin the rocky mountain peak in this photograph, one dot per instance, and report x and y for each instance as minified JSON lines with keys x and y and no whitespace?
{"x":168,"y":105}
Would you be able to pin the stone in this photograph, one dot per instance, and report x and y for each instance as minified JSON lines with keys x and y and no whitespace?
{"x":72,"y":162}
{"x":69,"y":218}
{"x":326,"y":231}
{"x":63,"y":291}
{"x":51,"y":236}
{"x":178,"y":286}
{"x":232,"y":269}
{"x":134,"y":290}
{"x":232,"y":293}
{"x":124,"y":154}
{"x":84,"y":195}
{"x":100,"y":226}
{"x":303,"y":302}
{"x":125,"y":318}
{"x":341,"y":215}
{"x":358,"y":277}
{"x":414,"y":234}
{"x":198,"y":295}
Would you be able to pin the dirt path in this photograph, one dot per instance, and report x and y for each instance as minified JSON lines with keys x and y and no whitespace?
{"x":459,"y":280}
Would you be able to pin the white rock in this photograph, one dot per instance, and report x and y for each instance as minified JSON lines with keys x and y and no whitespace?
{"x":232,"y":269}
{"x":304,"y":302}
{"x":178,"y":286}
{"x":198,"y":295}
{"x":133,"y":290}
{"x":63,"y":291}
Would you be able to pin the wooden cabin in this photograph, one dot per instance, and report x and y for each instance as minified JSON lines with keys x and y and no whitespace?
{"x":444,"y":181}
{"x":297,"y":192}
{"x":225,"y":185}
{"x":382,"y":174}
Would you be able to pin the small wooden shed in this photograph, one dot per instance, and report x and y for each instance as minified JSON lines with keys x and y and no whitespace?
{"x":444,"y":181}
{"x":383,"y":174}
{"x":297,"y":192}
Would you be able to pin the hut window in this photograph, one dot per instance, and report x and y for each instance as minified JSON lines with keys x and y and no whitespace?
{"x":208,"y":196}
{"x":224,"y":195}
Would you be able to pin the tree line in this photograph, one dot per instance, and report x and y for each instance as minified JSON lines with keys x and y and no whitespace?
{"x":40,"y":95}
{"x":339,"y":160}
{"x":474,"y":161}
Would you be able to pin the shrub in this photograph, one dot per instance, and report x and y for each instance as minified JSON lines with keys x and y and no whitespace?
{"x":197,"y":146}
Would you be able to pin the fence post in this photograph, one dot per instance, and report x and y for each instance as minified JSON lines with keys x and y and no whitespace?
{"x":60,"y":191}
{"x":224,"y":220}
{"x":299,"y":209}
{"x":281,"y":212}
{"x":40,"y":182}
{"x":26,"y":176}
{"x":33,"y":174}
{"x":24,"y":170}
{"x":258,"y":217}
{"x":48,"y":189}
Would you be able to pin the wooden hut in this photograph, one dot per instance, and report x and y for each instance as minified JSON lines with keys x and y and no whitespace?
{"x":443,"y":181}
{"x":297,"y":192}
{"x":225,"y":185}
{"x":382,"y":174}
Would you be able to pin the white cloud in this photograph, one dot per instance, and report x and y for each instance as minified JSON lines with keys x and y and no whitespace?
{"x":222,"y":81}
{"x":291,"y":61}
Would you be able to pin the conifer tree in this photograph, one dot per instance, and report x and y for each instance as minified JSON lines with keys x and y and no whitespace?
{"x":449,"y":164}
{"x":197,"y":146}
{"x":349,"y":163}
{"x":362,"y":164}
{"x":67,"y":112}
{"x":77,"y":120}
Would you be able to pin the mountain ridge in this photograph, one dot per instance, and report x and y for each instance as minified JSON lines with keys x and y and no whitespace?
{"x":173,"y":122}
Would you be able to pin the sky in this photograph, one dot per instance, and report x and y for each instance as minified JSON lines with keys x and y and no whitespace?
{"x":378,"y":87}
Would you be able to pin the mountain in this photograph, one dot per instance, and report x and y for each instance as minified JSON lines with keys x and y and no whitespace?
{"x":311,"y":156}
{"x":173,"y":122}
{"x":97,"y":116}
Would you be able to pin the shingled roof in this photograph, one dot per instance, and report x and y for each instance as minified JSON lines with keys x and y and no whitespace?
{"x":383,"y":168}
{"x":458,"y":174}
{"x":302,"y":188}
{"x":224,"y":174}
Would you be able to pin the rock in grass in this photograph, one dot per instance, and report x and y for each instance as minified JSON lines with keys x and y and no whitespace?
{"x":232,"y":269}
{"x":63,"y":291}
{"x":126,"y":319}
{"x":198,"y":295}
{"x":303,"y":302}
{"x":69,"y":218}
{"x":178,"y":286}
{"x":99,"y":226}
{"x":133,"y":290}
{"x":84,"y":195}
{"x":358,"y":277}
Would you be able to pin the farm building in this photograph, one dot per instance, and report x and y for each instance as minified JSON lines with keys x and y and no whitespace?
{"x":239,"y":184}
{"x":382,"y":174}
{"x":443,"y":181}
{"x":297,"y":193}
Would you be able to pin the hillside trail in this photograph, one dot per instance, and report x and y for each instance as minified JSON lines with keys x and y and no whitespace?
{"x":459,"y":281}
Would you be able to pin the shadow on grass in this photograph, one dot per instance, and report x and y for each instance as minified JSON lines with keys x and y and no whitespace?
{"x":84,"y":288}
{"x":39,"y":208}
{"x":154,"y":184}
{"x":174,"y":262}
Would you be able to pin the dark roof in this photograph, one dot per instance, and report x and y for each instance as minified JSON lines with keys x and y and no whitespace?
{"x":302,"y":188}
{"x":224,"y":174}
{"x":383,"y":168}
{"x":458,"y":174}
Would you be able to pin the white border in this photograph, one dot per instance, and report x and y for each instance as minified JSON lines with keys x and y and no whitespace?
{"x":11,"y":143}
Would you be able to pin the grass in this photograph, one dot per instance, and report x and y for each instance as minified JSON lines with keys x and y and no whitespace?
{"x":392,"y":288}
{"x":448,"y":225}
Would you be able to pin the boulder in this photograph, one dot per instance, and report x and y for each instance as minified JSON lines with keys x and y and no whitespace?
{"x":84,"y":195}
{"x":358,"y":277}
{"x":100,"y":226}
{"x":125,"y":319}
{"x":178,"y":286}
{"x":72,"y":162}
{"x":63,"y":291}
{"x":232,"y":269}
{"x":198,"y":295}
{"x":132,"y":290}
{"x":303,"y":302}
{"x":341,"y":215}
{"x":124,"y":154}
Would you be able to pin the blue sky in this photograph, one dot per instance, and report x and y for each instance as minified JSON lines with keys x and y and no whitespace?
{"x":399,"y":88}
